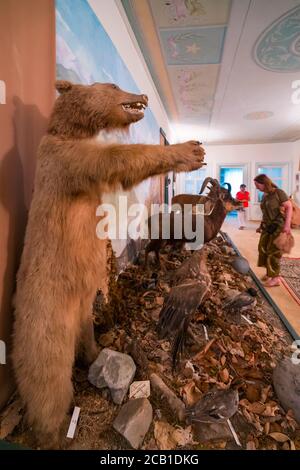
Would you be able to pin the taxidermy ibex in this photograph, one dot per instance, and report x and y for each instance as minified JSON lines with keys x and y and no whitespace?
{"x":221,"y":202}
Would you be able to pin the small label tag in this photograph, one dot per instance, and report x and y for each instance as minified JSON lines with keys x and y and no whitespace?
{"x":73,"y":423}
{"x":140,"y":389}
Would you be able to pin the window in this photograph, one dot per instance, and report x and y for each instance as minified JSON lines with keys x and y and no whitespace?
{"x":277,"y":175}
{"x":193,"y":181}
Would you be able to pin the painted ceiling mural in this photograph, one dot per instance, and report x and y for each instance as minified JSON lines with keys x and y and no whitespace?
{"x":191,"y":34}
{"x":187,"y":13}
{"x":195,"y":88}
{"x":222,"y":91}
{"x":278,"y":47}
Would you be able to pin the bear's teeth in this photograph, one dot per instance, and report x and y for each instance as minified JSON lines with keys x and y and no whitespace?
{"x":136,"y":108}
{"x":137,"y":105}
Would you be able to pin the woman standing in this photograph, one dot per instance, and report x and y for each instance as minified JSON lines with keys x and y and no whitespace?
{"x":274,"y":222}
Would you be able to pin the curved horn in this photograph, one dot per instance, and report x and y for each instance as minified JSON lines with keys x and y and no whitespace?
{"x":228,"y":186}
{"x":207,"y":180}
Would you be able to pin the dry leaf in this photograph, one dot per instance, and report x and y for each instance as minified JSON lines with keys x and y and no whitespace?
{"x":223,"y":360}
{"x":292,"y":444}
{"x":256,"y":408}
{"x":190,"y":393}
{"x":164,"y":435}
{"x":184,"y":437}
{"x":265,"y":393}
{"x":224,"y":375}
{"x":279,"y":436}
{"x":250,"y":445}
{"x":253,"y":392}
{"x":267,"y":428}
{"x":214,"y":362}
{"x":263,"y":326}
{"x":270,"y":410}
{"x":237,"y":352}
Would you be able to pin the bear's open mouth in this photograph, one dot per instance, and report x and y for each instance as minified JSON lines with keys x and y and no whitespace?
{"x":134,"y":108}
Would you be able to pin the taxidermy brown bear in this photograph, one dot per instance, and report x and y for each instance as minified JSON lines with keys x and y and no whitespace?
{"x":63,"y":262}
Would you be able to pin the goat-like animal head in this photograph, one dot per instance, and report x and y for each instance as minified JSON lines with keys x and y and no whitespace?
{"x":229,"y":202}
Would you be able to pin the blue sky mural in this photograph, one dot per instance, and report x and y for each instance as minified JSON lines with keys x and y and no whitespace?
{"x":85,"y":54}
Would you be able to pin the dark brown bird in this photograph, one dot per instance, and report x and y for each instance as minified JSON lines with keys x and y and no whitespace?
{"x":241,"y":302}
{"x":214,"y":407}
{"x":183,"y":300}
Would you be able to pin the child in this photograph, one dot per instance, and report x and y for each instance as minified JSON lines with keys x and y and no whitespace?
{"x":243,"y":196}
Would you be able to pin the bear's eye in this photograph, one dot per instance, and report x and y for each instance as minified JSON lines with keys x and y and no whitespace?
{"x":115,"y":87}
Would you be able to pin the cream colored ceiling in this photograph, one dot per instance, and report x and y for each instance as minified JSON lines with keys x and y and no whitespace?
{"x":224,"y":69}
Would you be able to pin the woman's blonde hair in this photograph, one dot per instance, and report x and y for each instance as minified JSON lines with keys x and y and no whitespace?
{"x":267,"y":182}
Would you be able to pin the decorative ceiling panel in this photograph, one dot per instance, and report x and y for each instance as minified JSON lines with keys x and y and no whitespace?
{"x":278,"y":47}
{"x":193,"y":46}
{"x":174,"y":13}
{"x":195,"y":89}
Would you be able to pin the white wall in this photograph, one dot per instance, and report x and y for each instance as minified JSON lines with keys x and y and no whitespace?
{"x":296,"y":152}
{"x":296,"y":189}
{"x":113,"y":19}
{"x":250,"y":155}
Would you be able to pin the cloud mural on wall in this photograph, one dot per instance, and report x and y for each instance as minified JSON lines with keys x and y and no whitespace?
{"x":86,"y":54}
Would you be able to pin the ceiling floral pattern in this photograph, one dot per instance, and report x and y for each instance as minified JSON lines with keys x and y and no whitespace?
{"x":196,"y":88}
{"x":193,"y":46}
{"x":175,"y":13}
{"x":278,"y":47}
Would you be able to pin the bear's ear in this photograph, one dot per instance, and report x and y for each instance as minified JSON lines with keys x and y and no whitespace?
{"x":63,"y":86}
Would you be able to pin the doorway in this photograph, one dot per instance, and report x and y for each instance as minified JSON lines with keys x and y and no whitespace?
{"x":235,"y":175}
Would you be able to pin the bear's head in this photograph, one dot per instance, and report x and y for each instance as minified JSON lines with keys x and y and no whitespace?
{"x":83,"y":110}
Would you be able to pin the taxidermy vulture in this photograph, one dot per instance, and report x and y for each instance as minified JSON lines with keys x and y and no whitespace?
{"x":194,"y":283}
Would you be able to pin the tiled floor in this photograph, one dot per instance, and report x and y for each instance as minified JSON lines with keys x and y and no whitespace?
{"x":247,"y":241}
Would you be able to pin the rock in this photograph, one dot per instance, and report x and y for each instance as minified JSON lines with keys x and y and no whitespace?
{"x":113,"y":370}
{"x":167,"y":396}
{"x":134,"y":420}
{"x":240,"y":264}
{"x":286,"y":381}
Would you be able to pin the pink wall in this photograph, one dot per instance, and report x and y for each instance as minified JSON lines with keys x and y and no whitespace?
{"x":27,"y":67}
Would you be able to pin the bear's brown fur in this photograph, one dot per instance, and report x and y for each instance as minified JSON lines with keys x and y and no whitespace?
{"x":63,"y":263}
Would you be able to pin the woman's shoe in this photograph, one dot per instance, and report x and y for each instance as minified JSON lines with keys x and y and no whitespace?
{"x":272,"y":282}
